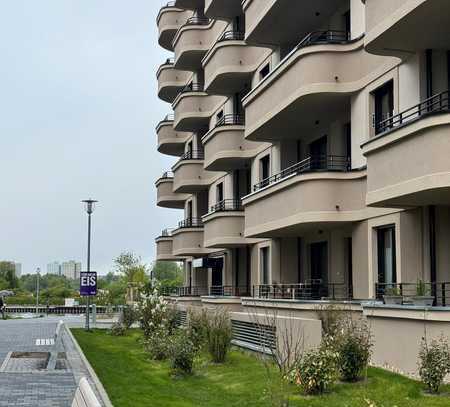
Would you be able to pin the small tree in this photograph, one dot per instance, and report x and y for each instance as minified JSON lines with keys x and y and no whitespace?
{"x":434,"y":362}
{"x":219,"y":335}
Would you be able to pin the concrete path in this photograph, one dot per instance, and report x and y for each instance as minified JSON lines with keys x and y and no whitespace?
{"x":20,"y":383}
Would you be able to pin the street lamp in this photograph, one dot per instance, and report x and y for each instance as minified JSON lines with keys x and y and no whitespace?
{"x":89,"y":206}
{"x":38,"y":274}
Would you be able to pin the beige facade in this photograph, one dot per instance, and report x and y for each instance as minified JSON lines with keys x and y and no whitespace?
{"x":313,"y":140}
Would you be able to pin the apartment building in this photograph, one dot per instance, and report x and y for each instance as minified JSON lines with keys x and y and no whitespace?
{"x":312,"y":146}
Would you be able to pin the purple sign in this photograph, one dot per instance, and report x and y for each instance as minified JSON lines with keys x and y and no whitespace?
{"x":88,"y":283}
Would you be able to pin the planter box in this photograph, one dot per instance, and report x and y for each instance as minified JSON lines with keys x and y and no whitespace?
{"x":423,"y":301}
{"x":393,"y":299}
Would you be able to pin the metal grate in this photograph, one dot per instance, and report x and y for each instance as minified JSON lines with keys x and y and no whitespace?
{"x":261,"y":338}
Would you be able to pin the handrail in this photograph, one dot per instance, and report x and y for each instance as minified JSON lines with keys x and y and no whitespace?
{"x":324,"y":37}
{"x":184,"y":291}
{"x":169,"y":61}
{"x":440,"y":291}
{"x":167,"y":174}
{"x":310,"y":164}
{"x":434,"y":104}
{"x":231,"y":120}
{"x":192,"y":87}
{"x":232,"y":36}
{"x":167,"y":118}
{"x":310,"y":290}
{"x":229,"y":291}
{"x":193,"y":155}
{"x":195,"y":20}
{"x":190,"y":223}
{"x":227,"y":205}
{"x":167,"y":232}
{"x":170,"y":4}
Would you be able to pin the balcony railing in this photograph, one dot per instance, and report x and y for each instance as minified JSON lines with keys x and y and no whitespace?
{"x":440,"y":291}
{"x":232,"y":36}
{"x":166,"y":233}
{"x":227,"y":205}
{"x":311,"y":290}
{"x":170,"y":4}
{"x":167,"y":175}
{"x":193,"y":87}
{"x":229,"y":291}
{"x":310,"y":164}
{"x":195,"y":20}
{"x":169,"y":61}
{"x":231,"y":120}
{"x":193,"y":155}
{"x":436,"y":104}
{"x":190,"y":223}
{"x":184,"y":291}
{"x":324,"y":37}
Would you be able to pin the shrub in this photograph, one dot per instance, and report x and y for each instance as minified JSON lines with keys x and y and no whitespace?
{"x":219,"y":335}
{"x":434,"y":363}
{"x":182,"y":353}
{"x":316,"y":371}
{"x":129,"y":316}
{"x":354,"y":348}
{"x":158,"y":345}
{"x":331,"y":317}
{"x":198,"y":327}
{"x":153,"y":312}
{"x":117,"y":329}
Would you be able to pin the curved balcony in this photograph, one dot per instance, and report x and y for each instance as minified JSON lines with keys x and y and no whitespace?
{"x":188,"y":239}
{"x":224,"y":225}
{"x":298,"y":18}
{"x":193,"y":108}
{"x":226,"y":149}
{"x":190,"y":4}
{"x":170,"y":142}
{"x":170,"y":81}
{"x":408,"y":161}
{"x":397,"y":28}
{"x":165,"y":197}
{"x":193,"y":40}
{"x":189,"y":174}
{"x":315,"y":81}
{"x":169,"y":21}
{"x":227,"y":9}
{"x":230,"y":64}
{"x":164,"y":247}
{"x":320,"y":191}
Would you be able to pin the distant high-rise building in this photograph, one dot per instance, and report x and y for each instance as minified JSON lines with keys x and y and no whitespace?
{"x":17,"y":269}
{"x":71,"y":269}
{"x":54,"y":268}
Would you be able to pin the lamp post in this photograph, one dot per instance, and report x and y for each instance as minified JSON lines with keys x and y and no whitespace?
{"x":38,"y":275}
{"x":89,"y":206}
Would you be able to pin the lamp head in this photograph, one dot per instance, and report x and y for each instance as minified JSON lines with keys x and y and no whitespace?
{"x":89,"y":205}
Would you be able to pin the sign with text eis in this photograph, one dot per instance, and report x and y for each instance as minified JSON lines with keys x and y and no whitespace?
{"x":88,"y":283}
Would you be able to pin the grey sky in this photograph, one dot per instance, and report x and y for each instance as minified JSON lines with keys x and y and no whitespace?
{"x":78,"y":110}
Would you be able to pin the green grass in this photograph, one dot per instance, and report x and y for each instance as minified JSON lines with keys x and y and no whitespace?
{"x":131,"y":380}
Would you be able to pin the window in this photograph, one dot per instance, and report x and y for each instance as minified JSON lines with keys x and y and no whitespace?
{"x":219,"y":192}
{"x":318,"y":152}
{"x":189,"y":210}
{"x":387,"y":273}
{"x":264,"y":168}
{"x":265,"y":265}
{"x":384,"y":106}
{"x":264,"y":72}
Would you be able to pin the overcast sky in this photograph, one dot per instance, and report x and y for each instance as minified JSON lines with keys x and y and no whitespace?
{"x":78,"y":110}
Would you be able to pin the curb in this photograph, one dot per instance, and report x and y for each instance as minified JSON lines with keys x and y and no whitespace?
{"x":95,"y":379}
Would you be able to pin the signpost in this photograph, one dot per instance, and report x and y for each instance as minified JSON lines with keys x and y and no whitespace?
{"x":88,"y":283}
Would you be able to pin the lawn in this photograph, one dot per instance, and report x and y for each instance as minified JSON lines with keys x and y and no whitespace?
{"x":131,"y":380}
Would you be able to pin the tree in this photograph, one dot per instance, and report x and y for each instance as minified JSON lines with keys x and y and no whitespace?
{"x":8,"y":273}
{"x":131,"y":268}
{"x":168,"y":273}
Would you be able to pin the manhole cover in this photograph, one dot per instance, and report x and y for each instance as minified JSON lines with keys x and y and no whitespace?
{"x":25,"y":361}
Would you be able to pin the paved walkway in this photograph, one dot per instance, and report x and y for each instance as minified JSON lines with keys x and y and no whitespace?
{"x":43,"y":388}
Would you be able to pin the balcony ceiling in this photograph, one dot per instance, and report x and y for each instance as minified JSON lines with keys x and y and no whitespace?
{"x":288,"y":21}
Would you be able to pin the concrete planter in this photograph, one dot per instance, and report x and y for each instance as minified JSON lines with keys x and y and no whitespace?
{"x":393,"y":299}
{"x":423,"y":301}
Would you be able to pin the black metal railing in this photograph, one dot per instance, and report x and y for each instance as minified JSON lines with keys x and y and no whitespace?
{"x":311,"y":290}
{"x":193,"y":155}
{"x":184,"y":291}
{"x":169,"y":61}
{"x":166,"y":233}
{"x":440,"y":291}
{"x":192,"y":87}
{"x":310,"y":164}
{"x":167,"y":118}
{"x":196,"y":20}
{"x":435,"y":104}
{"x":231,"y":120}
{"x":190,"y":223}
{"x":227,"y":205}
{"x":324,"y":37}
{"x":167,"y":175}
{"x":170,"y":4}
{"x":229,"y":291}
{"x":232,"y":36}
